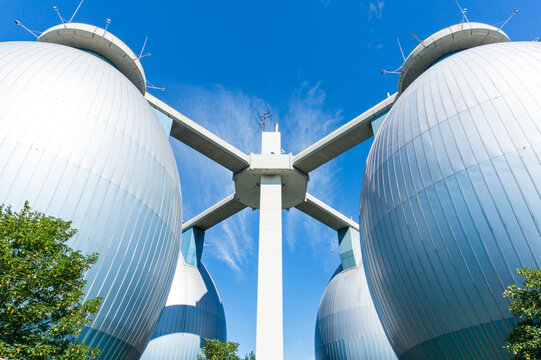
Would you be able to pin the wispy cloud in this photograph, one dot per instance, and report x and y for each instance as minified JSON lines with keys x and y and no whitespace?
{"x":308,"y":119}
{"x":235,"y":246}
{"x":375,"y":9}
{"x":232,"y":116}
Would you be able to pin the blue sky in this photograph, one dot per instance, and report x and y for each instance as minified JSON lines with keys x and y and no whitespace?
{"x":317,"y":64}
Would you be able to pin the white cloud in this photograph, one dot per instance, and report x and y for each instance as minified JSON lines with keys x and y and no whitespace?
{"x":308,"y":120}
{"x":232,"y":115}
{"x":375,"y":9}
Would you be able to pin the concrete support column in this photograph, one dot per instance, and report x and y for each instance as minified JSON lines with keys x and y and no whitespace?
{"x":350,"y":248}
{"x":191,"y":245}
{"x":269,"y":336}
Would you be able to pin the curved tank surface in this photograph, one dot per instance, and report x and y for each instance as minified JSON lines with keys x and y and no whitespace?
{"x":347,"y":325}
{"x":451,"y":204}
{"x":79,"y":141}
{"x":193,"y":312}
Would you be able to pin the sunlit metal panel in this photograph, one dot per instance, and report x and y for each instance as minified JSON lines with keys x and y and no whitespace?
{"x":79,"y":141}
{"x":451,"y":203}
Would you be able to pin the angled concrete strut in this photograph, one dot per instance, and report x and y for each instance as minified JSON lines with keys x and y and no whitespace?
{"x":200,"y":139}
{"x":272,"y":181}
{"x":342,"y":139}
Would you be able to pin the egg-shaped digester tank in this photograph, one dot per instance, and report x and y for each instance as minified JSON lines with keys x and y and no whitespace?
{"x":347,"y":325}
{"x":79,"y":141}
{"x":193,"y":312}
{"x":451,"y":204}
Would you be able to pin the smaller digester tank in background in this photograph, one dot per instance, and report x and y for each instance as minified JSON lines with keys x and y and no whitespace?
{"x":347,"y":325}
{"x":194,"y":310}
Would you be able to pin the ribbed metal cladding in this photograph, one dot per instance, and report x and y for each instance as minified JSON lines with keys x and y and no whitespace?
{"x":79,"y":141}
{"x":451,"y":203}
{"x":347,"y":325}
{"x":194,"y":312}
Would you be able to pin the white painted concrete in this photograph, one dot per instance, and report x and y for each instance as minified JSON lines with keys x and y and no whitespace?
{"x":270,"y":143}
{"x":102,"y":42}
{"x":270,"y":334}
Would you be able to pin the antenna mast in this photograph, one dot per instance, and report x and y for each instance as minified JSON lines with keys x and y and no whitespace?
{"x":143,"y":49}
{"x":509,"y":18}
{"x":414,"y":35}
{"x":55,"y":8}
{"x":400,"y":47}
{"x":24,"y":27}
{"x":107,"y":22}
{"x":463,"y":12}
{"x":397,"y":70}
{"x":267,"y":115}
{"x":72,"y":16}
{"x":149,"y":85}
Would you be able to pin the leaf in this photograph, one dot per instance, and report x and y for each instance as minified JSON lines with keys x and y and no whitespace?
{"x":41,"y":286}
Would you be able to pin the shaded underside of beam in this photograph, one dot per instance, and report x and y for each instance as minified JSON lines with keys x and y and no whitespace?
{"x":200,"y":139}
{"x":326,"y":214}
{"x":215,"y":214}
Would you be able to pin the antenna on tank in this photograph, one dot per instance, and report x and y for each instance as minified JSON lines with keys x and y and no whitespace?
{"x":414,"y":35}
{"x":150,"y":86}
{"x":464,"y":17}
{"x":509,"y":18}
{"x":27,"y":29}
{"x":463,"y":12}
{"x":72,"y":16}
{"x":396,"y":71}
{"x":400,"y":47}
{"x":107,"y":22}
{"x":143,"y":49}
{"x":55,"y":8}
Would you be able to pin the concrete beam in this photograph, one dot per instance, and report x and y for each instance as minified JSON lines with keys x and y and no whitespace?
{"x":215,"y":214}
{"x":326,"y":214}
{"x":200,"y":139}
{"x":339,"y":141}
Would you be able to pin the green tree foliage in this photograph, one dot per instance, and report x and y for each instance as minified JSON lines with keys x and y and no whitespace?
{"x":41,"y":285}
{"x":525,"y":339}
{"x":217,"y":350}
